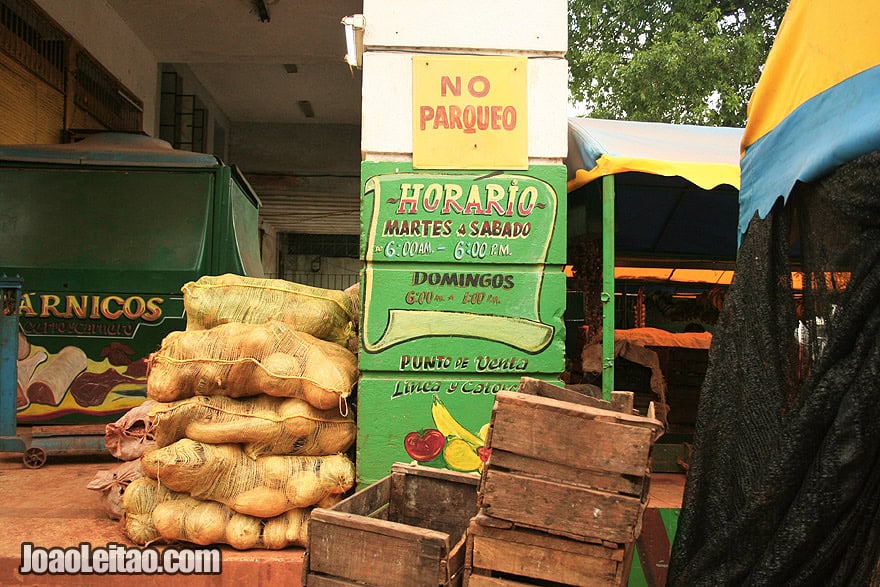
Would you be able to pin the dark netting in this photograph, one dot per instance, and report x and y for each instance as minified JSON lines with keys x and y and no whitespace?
{"x":784,"y":486}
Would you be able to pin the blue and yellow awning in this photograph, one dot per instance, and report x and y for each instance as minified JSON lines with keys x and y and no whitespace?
{"x":816,"y":104}
{"x":676,"y":185}
{"x":705,"y":156}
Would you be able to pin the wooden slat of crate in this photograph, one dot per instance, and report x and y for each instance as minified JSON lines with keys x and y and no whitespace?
{"x":560,"y":508}
{"x":372,"y":501}
{"x":427,"y":498}
{"x":580,"y":437}
{"x":599,"y":480}
{"x":522,"y":560}
{"x":621,"y":401}
{"x":359,"y":541}
{"x":482,"y":581}
{"x":322,"y":581}
{"x":376,"y":552}
{"x":519,"y":555}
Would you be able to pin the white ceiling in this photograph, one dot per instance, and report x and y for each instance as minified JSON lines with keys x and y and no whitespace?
{"x":240,"y":60}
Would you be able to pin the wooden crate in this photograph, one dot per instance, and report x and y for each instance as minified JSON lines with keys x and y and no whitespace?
{"x":407,"y":530}
{"x":621,"y":401}
{"x":572,"y":470}
{"x":499,"y":556}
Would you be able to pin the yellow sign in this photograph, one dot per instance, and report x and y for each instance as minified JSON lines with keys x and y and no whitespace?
{"x":470,"y":112}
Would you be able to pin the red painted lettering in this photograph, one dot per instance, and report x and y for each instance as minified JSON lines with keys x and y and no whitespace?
{"x":447,"y":84}
{"x":478,"y":86}
{"x":454,"y":116}
{"x":408,"y":204}
{"x":133,"y":313}
{"x":509,"y":119}
{"x":77,"y":306}
{"x":440,"y":118}
{"x":433,"y":197}
{"x":152,"y":310}
{"x":426,"y":113}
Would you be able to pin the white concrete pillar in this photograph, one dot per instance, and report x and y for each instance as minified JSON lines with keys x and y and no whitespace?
{"x":463,"y":223}
{"x":398,"y":29}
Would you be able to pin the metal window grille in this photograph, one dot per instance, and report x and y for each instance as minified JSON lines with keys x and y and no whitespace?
{"x":101,"y":95}
{"x":324,"y":280}
{"x":326,"y":245}
{"x":34,"y":40}
{"x":322,"y":246}
{"x":183,"y":118}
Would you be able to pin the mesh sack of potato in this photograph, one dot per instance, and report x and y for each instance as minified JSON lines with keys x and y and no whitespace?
{"x":239,"y":360}
{"x":138,"y":502}
{"x":178,"y":517}
{"x":208,"y":522}
{"x":354,"y":293}
{"x":263,"y":487}
{"x":263,"y":424}
{"x":215,"y":300}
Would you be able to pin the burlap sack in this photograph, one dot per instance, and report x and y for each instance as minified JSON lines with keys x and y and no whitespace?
{"x":129,"y":437}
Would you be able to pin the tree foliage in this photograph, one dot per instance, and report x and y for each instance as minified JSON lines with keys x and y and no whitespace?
{"x":674,"y":61}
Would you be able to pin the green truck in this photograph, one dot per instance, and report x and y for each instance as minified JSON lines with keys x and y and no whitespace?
{"x":103,"y":234}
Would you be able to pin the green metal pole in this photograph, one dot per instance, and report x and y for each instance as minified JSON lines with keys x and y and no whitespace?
{"x":607,"y":286}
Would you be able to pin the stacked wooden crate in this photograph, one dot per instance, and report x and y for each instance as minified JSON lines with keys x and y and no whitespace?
{"x":563,"y":493}
{"x":406,"y":530}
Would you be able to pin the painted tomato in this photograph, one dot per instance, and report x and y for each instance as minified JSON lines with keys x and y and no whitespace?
{"x":424,"y":445}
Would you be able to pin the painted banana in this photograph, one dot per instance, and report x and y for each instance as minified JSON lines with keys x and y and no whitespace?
{"x":449,"y":426}
{"x":461,"y":456}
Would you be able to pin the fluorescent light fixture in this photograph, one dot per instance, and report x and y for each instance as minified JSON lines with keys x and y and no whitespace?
{"x":354,"y":39}
{"x":262,"y":11}
{"x":306,"y":107}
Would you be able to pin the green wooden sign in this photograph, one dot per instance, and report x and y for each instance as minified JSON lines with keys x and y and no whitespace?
{"x":454,"y":217}
{"x":468,"y":318}
{"x":463,"y":294}
{"x":438,"y":420}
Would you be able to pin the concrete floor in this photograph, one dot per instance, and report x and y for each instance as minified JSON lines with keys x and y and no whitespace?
{"x":51,"y":506}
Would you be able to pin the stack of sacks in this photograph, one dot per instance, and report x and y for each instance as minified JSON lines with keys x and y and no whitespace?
{"x":251,"y":420}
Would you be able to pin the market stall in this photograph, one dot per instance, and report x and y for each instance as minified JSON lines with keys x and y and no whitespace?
{"x":667,"y":199}
{"x":100,"y":235}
